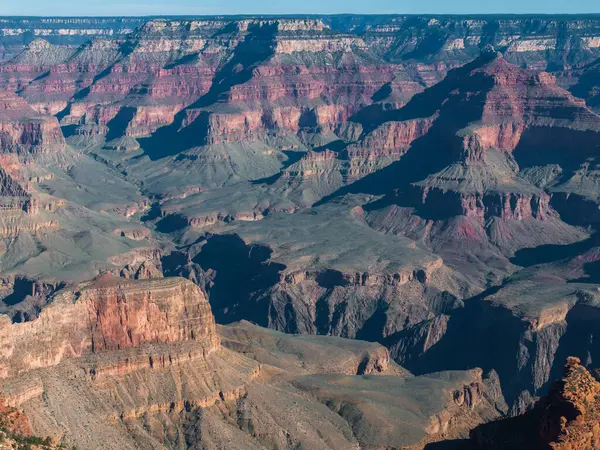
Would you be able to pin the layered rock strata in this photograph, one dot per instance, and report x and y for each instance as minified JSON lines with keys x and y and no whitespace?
{"x":108,"y":314}
{"x":141,"y":361}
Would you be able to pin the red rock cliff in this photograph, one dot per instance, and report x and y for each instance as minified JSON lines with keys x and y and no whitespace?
{"x":107,"y":314}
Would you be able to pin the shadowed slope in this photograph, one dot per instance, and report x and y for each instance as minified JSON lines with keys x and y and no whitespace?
{"x":257,"y":47}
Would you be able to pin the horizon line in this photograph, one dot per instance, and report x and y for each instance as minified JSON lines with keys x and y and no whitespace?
{"x":275,"y":15}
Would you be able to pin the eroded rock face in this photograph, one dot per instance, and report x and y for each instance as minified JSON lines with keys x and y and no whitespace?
{"x":16,"y":431}
{"x":24,"y":130}
{"x":566,"y":419}
{"x":574,"y":400}
{"x":108,"y":314}
{"x":102,"y":89}
{"x":395,"y":36}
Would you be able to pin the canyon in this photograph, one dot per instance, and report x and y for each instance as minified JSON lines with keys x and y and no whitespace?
{"x":286,"y":232}
{"x":142,"y":363}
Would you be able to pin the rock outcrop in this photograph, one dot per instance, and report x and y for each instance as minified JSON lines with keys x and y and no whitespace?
{"x":23,"y":130}
{"x":108,"y":314}
{"x":16,"y":434}
{"x":575,"y":402}
{"x":566,"y":419}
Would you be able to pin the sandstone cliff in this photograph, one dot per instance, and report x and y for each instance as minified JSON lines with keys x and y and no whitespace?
{"x":107,"y":314}
{"x":24,"y":130}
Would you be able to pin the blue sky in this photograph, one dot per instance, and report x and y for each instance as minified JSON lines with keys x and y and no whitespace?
{"x":177,"y":7}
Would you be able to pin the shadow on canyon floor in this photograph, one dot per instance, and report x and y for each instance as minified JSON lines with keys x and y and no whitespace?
{"x":242,"y":273}
{"x":543,"y":254}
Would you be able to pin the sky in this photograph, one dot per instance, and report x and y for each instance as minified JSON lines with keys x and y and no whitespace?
{"x":214,"y":7}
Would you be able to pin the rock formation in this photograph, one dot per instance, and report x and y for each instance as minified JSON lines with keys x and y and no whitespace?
{"x":566,"y":419}
{"x":108,"y":314}
{"x":16,"y":434}
{"x":141,"y":361}
{"x":24,"y":130}
{"x":427,"y":183}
